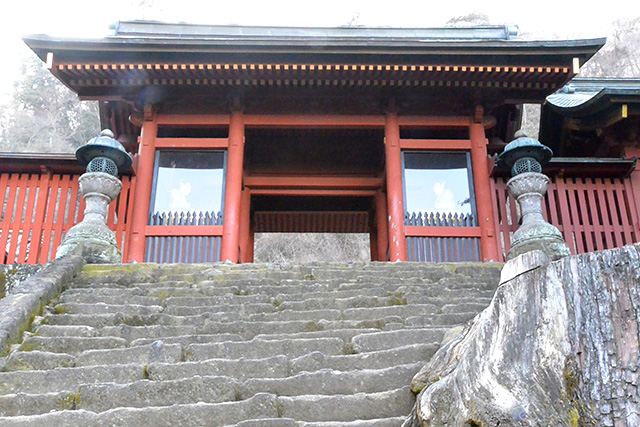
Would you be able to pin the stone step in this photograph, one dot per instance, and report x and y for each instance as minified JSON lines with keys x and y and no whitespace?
{"x":66,"y":331}
{"x":186,"y":340}
{"x":241,"y":369}
{"x":399,"y":338}
{"x":250,"y":330}
{"x":31,"y":404}
{"x":71,"y":345}
{"x":267,"y":422}
{"x":145,"y":393}
{"x":144,"y":354}
{"x":256,"y":349}
{"x":184,"y":415}
{"x":329,"y":382}
{"x":402,"y":311}
{"x":287,"y":315}
{"x":228,"y":299}
{"x":68,"y":379}
{"x":38,"y":361}
{"x":96,"y":320}
{"x":341,"y":303}
{"x":226,"y":311}
{"x":359,"y":406}
{"x":150,"y":332}
{"x":380,"y":422}
{"x":102,"y":308}
{"x":117,"y":299}
{"x":345,"y":335}
{"x":444,"y":319}
{"x":315,"y":361}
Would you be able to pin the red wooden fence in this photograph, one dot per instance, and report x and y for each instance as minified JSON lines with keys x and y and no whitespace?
{"x":38,"y":209}
{"x":591,"y":213}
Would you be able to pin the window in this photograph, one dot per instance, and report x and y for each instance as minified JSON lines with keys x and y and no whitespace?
{"x":438,"y":183}
{"x":188,"y":182}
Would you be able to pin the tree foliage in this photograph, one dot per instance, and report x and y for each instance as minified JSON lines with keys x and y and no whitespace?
{"x":620,"y":57}
{"x":42,"y":115}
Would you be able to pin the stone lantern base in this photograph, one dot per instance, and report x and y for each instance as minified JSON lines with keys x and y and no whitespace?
{"x":535,"y":233}
{"x":91,"y":238}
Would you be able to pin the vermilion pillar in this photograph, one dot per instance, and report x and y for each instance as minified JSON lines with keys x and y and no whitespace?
{"x":246,"y":243}
{"x":233,"y":190}
{"x":395,"y":194}
{"x":381,"y":223}
{"x":484,"y":204}
{"x":144,"y":181}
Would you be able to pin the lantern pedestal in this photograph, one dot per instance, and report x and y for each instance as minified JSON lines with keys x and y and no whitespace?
{"x":534,"y":232}
{"x":91,"y":238}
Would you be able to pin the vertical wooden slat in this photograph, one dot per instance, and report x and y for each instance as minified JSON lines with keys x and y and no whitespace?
{"x":576,"y":216}
{"x":17,"y":218}
{"x":633,"y":213}
{"x":27,"y":222}
{"x":623,"y":206}
{"x":605,"y":214}
{"x":35,"y":250}
{"x":616,"y":221}
{"x":565,"y":215}
{"x":59,"y":220}
{"x":587,"y":220}
{"x":73,"y":206}
{"x":8,"y":214}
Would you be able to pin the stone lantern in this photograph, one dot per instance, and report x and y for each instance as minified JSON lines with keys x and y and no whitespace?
{"x":524,"y":157}
{"x":99,"y":185}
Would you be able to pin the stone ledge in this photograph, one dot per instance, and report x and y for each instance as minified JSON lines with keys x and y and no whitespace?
{"x":27,"y":299}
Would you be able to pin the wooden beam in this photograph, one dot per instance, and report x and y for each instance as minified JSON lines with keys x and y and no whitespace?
{"x":183,"y":230}
{"x":310,"y":182}
{"x":197,"y":143}
{"x":435,"y":144}
{"x":417,"y":231}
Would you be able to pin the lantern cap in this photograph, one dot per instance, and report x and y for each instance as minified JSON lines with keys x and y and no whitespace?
{"x":523,"y":146}
{"x":105,"y":146}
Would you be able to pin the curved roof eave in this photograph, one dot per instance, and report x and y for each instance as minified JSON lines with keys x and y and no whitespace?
{"x":594,"y":95}
{"x":103,"y":49}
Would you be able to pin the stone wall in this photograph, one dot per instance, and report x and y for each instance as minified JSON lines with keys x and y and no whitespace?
{"x":557,"y":346}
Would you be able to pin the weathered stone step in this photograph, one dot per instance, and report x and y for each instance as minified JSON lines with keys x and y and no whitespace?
{"x":360,"y":406}
{"x":67,"y":378}
{"x":186,"y":340}
{"x":380,"y":422}
{"x":372,"y":360}
{"x":241,"y":369}
{"x":250,"y":330}
{"x":226,"y":311}
{"x":267,"y":422}
{"x":444,"y":319}
{"x":227,"y":299}
{"x":31,"y":404}
{"x":256,"y":349}
{"x":184,"y":415}
{"x":143,"y":355}
{"x":403,"y":311}
{"x":329,"y":382}
{"x":96,"y":320}
{"x":288,"y":315}
{"x":38,"y":361}
{"x":344,"y":334}
{"x":150,"y":332}
{"x":71,"y":345}
{"x":399,"y":338}
{"x":117,"y":299}
{"x":66,"y":331}
{"x":145,"y":393}
{"x":102,"y":308}
{"x":341,"y":303}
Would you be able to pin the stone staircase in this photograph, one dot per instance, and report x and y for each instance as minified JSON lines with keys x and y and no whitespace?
{"x":237,"y":345}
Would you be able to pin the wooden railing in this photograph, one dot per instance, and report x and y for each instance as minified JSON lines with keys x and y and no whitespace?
{"x":38,"y":209}
{"x":183,"y":237}
{"x":442,"y":237}
{"x":591,"y":213}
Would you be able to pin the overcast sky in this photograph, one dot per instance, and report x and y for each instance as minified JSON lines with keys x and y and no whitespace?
{"x":90,"y":18}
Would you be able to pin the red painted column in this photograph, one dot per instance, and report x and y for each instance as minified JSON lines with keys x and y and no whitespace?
{"x":245,"y":232}
{"x":381,"y":222}
{"x":233,"y":190}
{"x":395,"y":194}
{"x":144,"y":182}
{"x":482,"y":189}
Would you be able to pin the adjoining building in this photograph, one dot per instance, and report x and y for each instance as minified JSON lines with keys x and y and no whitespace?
{"x":385,"y":131}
